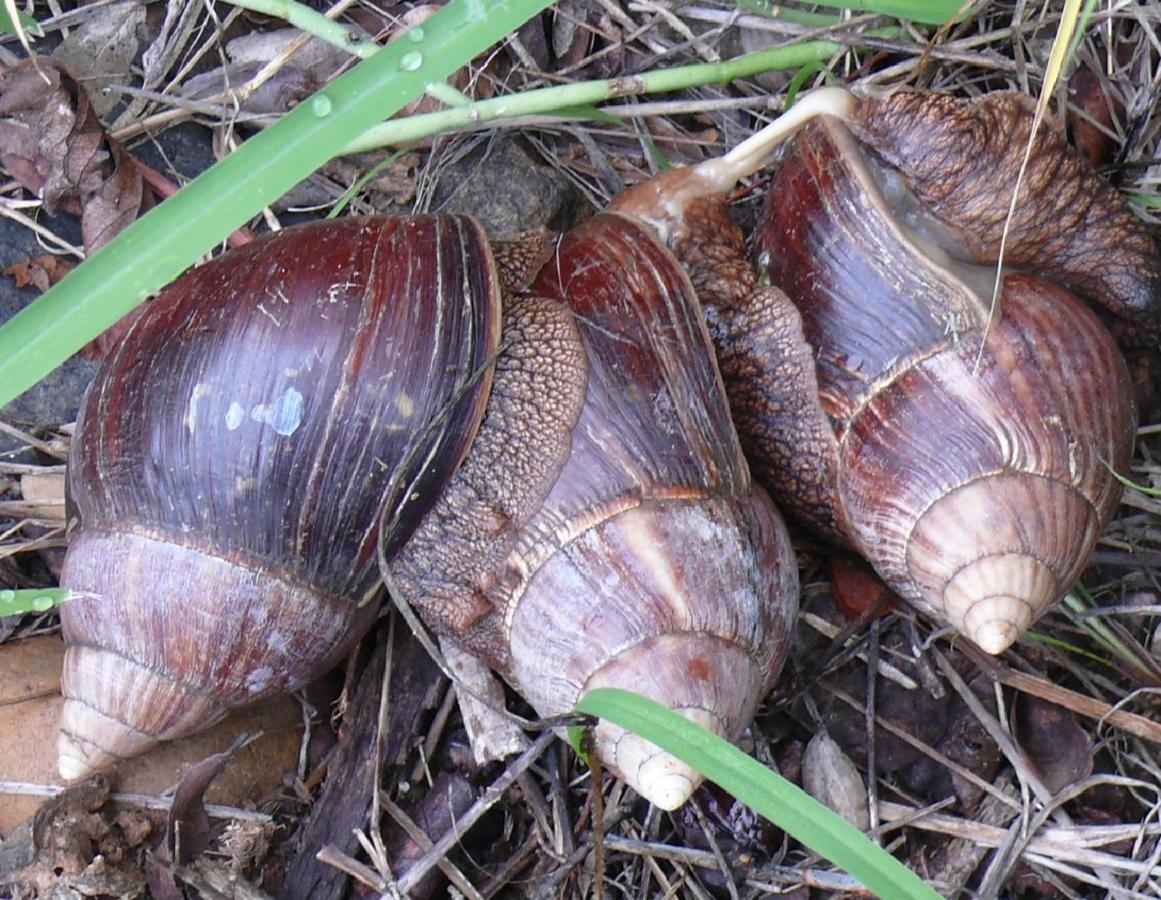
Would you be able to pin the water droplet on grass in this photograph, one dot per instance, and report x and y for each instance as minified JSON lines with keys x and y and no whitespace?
{"x":411,"y":61}
{"x":321,"y":105}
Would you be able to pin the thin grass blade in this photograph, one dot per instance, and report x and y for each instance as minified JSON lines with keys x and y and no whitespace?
{"x":764,"y":791}
{"x":19,"y":603}
{"x":929,"y":12}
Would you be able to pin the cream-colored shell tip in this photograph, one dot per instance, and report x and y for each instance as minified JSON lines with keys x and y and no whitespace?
{"x":663,"y":780}
{"x":992,"y":600}
{"x":115,"y":708}
{"x":91,"y":742}
{"x":72,"y":760}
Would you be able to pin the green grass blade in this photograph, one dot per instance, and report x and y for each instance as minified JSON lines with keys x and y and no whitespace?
{"x":552,"y":100}
{"x":28,"y":23}
{"x":766,"y":792}
{"x":160,"y":245}
{"x":18,"y":603}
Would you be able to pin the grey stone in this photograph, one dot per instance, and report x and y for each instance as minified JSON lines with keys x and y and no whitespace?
{"x":506,"y":190}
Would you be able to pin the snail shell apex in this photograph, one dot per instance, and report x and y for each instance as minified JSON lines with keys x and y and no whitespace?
{"x":228,"y":473}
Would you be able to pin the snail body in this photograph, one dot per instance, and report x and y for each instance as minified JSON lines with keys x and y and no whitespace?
{"x":560,"y":489}
{"x":652,"y":563}
{"x":960,"y":448}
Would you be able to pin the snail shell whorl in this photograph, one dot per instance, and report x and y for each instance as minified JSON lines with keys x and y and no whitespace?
{"x":196,"y":635}
{"x":978,"y":483}
{"x":227,"y":477}
{"x":972,"y":477}
{"x":653,"y":565}
{"x":688,"y":602}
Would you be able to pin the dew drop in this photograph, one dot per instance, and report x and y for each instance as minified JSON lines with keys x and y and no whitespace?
{"x":41,"y":603}
{"x":415,"y":35}
{"x":7,"y":596}
{"x":321,"y":106}
{"x":411,"y":61}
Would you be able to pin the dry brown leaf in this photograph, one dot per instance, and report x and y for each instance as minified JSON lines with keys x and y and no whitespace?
{"x":831,"y":778}
{"x":42,"y":272}
{"x":1052,"y":742}
{"x":54,"y":144}
{"x":30,"y":705}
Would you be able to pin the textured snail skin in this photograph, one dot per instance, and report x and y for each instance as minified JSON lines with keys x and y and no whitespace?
{"x":567,"y":498}
{"x":960,"y":158}
{"x":231,"y":459}
{"x":652,"y":563}
{"x":967,"y":462}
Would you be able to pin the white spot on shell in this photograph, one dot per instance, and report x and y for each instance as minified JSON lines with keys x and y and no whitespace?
{"x":234,"y":416}
{"x":257,"y":680}
{"x":191,"y":418}
{"x":262,"y":309}
{"x":284,"y":415}
{"x":244,"y":485}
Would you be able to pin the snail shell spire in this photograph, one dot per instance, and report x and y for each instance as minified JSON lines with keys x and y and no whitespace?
{"x":227,"y":477}
{"x":646,"y":560}
{"x":696,"y":589}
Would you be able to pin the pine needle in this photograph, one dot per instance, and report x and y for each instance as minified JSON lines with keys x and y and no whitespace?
{"x":1062,"y":48}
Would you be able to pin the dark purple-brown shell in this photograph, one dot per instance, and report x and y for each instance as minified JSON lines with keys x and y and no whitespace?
{"x":969,"y":448}
{"x":963,"y":449}
{"x":230,"y":465}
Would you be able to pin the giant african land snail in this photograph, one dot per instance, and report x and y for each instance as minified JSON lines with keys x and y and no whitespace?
{"x":962,"y":451}
{"x":578,"y":514}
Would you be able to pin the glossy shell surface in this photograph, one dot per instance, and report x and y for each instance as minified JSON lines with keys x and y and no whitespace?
{"x":232,"y":460}
{"x":970,"y":456}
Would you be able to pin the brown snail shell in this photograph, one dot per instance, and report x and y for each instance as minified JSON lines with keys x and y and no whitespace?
{"x":570,"y":502}
{"x":227,"y":476}
{"x":970,"y":453}
{"x":652,"y":563}
{"x":962,"y":450}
